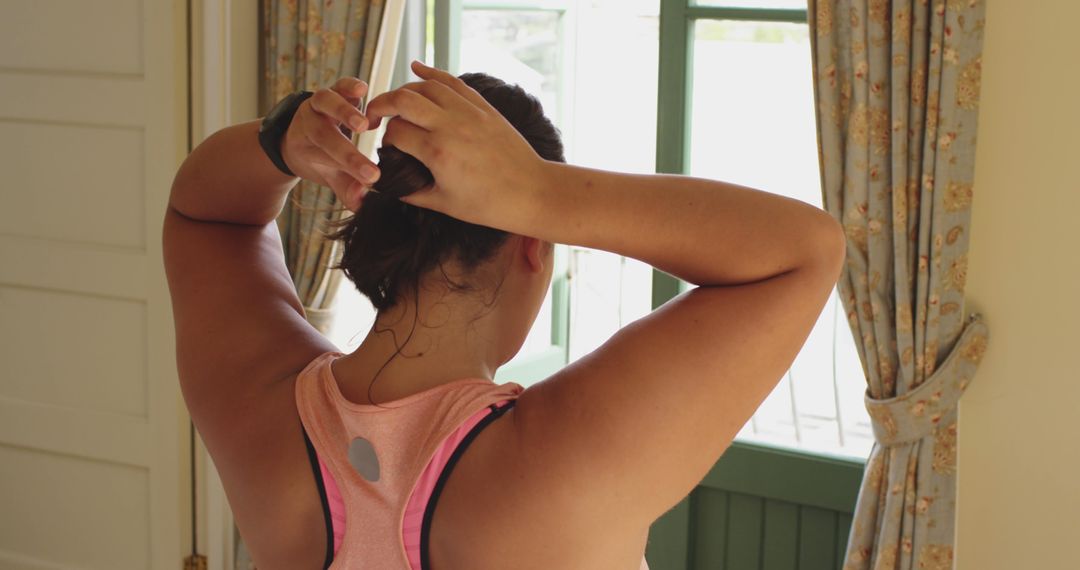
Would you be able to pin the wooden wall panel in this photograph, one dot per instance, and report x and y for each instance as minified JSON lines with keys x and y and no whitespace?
{"x":818,"y":545}
{"x":98,"y":358}
{"x":780,"y":537}
{"x":761,"y":508}
{"x":75,"y":183}
{"x":65,"y":35}
{"x":98,"y":512}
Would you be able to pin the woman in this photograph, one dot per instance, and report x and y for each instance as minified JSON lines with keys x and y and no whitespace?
{"x":343,"y":458}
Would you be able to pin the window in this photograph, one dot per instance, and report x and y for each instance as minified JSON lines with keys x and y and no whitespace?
{"x":725,"y":86}
{"x":738,"y":100}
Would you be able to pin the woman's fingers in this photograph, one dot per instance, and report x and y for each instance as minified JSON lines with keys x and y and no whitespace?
{"x":316,"y":137}
{"x":328,"y":138}
{"x":456,"y":83}
{"x":409,"y":104}
{"x":409,"y":138}
{"x":421,"y":102}
{"x":349,"y":192}
{"x":352,"y":89}
{"x":439,"y":93}
{"x":332,"y":104}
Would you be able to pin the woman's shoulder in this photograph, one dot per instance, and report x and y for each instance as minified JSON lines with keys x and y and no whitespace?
{"x":481,"y":504}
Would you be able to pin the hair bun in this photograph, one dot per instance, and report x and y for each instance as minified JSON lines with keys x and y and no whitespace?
{"x":389,"y":245}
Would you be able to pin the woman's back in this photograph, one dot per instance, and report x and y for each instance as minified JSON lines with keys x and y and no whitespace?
{"x":572,"y":475}
{"x":381,"y":468}
{"x":459,"y":532}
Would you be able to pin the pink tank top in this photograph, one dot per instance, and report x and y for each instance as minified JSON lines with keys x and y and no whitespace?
{"x":381,"y":464}
{"x":384,"y":466}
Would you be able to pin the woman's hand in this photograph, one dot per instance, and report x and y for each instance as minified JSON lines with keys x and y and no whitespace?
{"x":316,"y":148}
{"x":485,"y":171}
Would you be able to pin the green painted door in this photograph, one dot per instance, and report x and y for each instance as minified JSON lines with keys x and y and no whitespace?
{"x":763,"y":508}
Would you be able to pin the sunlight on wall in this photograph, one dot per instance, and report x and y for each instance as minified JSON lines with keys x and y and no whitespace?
{"x":1018,"y":451}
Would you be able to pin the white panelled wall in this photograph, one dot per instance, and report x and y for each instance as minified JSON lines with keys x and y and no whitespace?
{"x":93,"y":433}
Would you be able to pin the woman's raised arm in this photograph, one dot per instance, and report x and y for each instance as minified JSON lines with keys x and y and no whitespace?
{"x":228,"y":177}
{"x":707,"y":232}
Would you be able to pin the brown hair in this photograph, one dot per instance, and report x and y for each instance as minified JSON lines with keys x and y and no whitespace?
{"x":390,"y":245}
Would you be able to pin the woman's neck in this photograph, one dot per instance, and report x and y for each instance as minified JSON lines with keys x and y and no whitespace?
{"x":447,"y":342}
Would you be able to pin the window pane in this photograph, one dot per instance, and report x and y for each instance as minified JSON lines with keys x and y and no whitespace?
{"x":353,"y":317}
{"x":607,"y":291}
{"x":616,"y":49}
{"x":753,"y":107}
{"x":752,"y":123}
{"x":773,"y":4}
{"x":539,"y":338}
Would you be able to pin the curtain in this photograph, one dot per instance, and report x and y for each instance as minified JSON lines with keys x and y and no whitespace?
{"x":897,"y":95}
{"x":309,"y":44}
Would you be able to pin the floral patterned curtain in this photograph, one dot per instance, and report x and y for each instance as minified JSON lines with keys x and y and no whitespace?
{"x":309,"y":44}
{"x":897,"y":93}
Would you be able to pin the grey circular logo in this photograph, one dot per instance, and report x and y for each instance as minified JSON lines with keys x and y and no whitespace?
{"x":363,"y":459}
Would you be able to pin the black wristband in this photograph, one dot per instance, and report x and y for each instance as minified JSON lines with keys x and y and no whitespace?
{"x":276,"y":124}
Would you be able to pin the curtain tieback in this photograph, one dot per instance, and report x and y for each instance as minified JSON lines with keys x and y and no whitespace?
{"x":915,"y":415}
